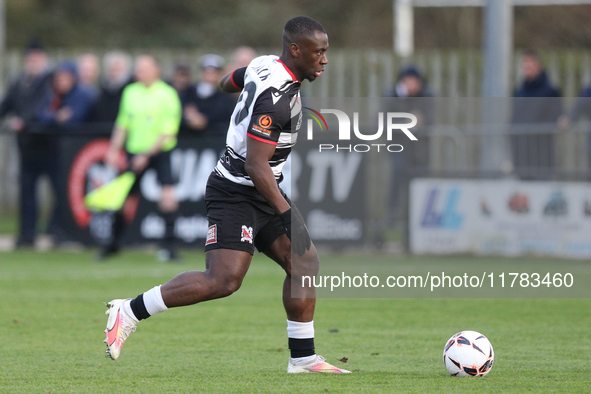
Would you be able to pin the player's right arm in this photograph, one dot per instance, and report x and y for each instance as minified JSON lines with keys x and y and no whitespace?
{"x":257,"y":166}
{"x":234,"y":81}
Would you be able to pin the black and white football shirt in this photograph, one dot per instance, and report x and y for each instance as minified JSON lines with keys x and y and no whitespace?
{"x":268,"y":110}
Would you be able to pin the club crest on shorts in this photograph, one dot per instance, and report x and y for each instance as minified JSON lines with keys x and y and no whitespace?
{"x":246,"y":234}
{"x":212,"y":234}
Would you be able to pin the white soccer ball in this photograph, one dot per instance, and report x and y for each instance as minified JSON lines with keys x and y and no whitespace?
{"x":468,"y":353}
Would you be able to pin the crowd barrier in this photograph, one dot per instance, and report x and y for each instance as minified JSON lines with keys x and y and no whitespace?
{"x":347,"y":199}
{"x":80,"y":151}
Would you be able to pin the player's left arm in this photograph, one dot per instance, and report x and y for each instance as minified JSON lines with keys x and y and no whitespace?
{"x":264,"y":130}
{"x":260,"y":172}
{"x":234,"y":81}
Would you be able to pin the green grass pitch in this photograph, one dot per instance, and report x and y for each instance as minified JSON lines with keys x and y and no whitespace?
{"x":52,"y":318}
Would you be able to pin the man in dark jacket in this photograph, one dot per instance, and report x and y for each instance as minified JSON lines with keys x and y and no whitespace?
{"x":68,"y":103}
{"x":413,"y":96}
{"x":24,"y":95}
{"x":207,"y":106}
{"x":36,"y":150}
{"x":193,"y":119}
{"x":536,"y":101}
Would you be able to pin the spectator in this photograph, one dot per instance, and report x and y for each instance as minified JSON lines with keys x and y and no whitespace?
{"x":88,"y":71}
{"x":536,"y":101}
{"x":68,"y":103}
{"x":37,"y":151}
{"x":580,"y":111}
{"x":207,"y":105}
{"x":241,"y":57}
{"x":117,"y":75}
{"x":412,"y":96}
{"x":411,"y":85}
{"x":181,"y":81}
{"x":24,"y":95}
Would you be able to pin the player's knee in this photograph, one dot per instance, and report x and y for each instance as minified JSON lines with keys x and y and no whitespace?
{"x":230,"y":287}
{"x":286,"y":263}
{"x":227,"y":286}
{"x":307,"y":265}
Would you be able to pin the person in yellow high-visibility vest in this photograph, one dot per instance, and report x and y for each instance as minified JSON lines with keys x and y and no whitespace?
{"x":147,"y":126}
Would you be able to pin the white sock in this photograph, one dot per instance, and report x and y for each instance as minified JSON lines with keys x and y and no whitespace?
{"x":154,"y":302}
{"x":299,"y":330}
{"x":128,"y":311}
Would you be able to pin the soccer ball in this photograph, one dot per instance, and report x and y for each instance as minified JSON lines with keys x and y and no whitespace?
{"x":468,"y":353}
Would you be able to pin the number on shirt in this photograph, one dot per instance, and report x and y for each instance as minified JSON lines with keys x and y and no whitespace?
{"x":247,"y":96}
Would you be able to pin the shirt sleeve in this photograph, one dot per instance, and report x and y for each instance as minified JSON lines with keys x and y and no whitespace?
{"x":122,"y":120}
{"x":237,"y":78}
{"x":171,"y":115}
{"x":270,"y":114}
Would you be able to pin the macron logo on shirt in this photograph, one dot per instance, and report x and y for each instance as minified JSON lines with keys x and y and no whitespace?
{"x":276,"y":96}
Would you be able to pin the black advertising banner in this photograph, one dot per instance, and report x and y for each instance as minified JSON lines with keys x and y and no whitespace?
{"x":327,"y":188}
{"x":82,"y":167}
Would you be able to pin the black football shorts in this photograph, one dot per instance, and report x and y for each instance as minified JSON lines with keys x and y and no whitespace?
{"x":160,"y":163}
{"x":239,"y":217}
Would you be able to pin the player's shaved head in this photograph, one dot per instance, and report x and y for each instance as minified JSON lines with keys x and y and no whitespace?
{"x":300,"y":26}
{"x":305,"y":43}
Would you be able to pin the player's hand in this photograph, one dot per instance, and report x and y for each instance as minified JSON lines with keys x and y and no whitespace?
{"x":296,"y":231}
{"x":139,"y":163}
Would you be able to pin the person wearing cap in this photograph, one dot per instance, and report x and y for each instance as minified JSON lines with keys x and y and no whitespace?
{"x":413,"y":96}
{"x":68,"y":103}
{"x":36,"y":154}
{"x":411,"y":84}
{"x":208,"y":106}
{"x":24,"y":94}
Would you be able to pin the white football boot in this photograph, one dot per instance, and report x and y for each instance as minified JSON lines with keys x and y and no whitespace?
{"x":119,"y":326}
{"x":318,"y":364}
